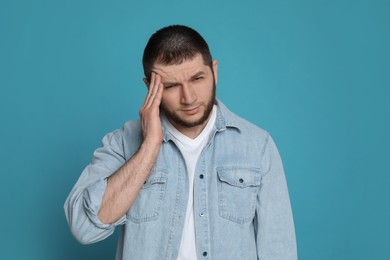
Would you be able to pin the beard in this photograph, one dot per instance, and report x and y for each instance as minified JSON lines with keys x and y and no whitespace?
{"x":176,"y":119}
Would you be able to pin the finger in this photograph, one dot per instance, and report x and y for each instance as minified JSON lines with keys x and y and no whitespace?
{"x":153,"y":90}
{"x":154,"y":101}
{"x":151,"y":83}
{"x":158,"y":97}
{"x":150,"y":88}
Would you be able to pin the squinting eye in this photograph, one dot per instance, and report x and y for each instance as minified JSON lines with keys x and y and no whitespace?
{"x":198,"y":78}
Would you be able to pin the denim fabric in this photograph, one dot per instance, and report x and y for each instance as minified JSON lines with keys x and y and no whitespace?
{"x":241,"y":202}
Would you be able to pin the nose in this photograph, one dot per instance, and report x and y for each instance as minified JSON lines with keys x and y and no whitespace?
{"x":188,"y":95}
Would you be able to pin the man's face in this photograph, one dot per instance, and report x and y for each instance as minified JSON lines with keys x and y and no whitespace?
{"x":189,"y":93}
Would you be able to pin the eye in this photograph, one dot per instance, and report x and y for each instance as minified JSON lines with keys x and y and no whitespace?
{"x":169,"y":86}
{"x":198,"y":78}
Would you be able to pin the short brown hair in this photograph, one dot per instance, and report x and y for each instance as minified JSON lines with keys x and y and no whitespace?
{"x":173,"y":45}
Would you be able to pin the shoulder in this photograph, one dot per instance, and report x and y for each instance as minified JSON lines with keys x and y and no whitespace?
{"x":245,"y":128}
{"x":131,"y":126}
{"x":131,"y":131}
{"x":125,"y":139}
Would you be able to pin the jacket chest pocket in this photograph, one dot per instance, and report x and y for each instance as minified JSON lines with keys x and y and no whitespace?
{"x":237,"y":192}
{"x":148,"y":204}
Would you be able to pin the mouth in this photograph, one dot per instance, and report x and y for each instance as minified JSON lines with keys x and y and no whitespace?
{"x":191,"y":110}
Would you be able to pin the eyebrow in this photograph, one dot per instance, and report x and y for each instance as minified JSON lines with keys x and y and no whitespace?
{"x":200,"y":73}
{"x":196,"y":75}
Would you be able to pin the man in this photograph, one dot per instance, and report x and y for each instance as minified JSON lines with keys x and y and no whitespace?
{"x":190,"y":179}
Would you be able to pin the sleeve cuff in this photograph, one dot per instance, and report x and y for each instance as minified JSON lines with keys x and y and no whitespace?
{"x":93,"y":196}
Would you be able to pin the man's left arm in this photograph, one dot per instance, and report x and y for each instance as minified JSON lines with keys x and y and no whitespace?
{"x":275,"y":232}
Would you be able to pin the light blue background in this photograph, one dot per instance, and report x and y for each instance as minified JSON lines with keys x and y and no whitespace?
{"x":316,"y":74}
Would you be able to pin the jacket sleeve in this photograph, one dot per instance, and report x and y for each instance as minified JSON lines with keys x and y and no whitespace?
{"x":84,"y":201}
{"x":275,"y":232}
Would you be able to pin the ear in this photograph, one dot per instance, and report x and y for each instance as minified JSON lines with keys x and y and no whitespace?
{"x":147,"y":83}
{"x":215,"y":71}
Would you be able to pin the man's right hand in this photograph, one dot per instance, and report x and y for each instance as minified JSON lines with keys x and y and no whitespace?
{"x":124,"y":185}
{"x":150,"y":112}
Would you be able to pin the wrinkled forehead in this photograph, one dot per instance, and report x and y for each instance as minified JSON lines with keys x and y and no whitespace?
{"x":182,"y":71}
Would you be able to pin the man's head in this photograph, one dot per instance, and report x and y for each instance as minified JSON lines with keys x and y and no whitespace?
{"x":172,"y":45}
{"x":180,"y":57}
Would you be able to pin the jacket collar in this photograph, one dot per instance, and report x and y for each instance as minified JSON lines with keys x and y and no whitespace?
{"x":225,"y":118}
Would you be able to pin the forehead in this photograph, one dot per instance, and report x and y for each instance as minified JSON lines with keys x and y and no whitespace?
{"x":185,"y":69}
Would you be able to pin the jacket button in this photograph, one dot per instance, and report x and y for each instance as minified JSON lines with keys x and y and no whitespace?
{"x":241,"y":180}
{"x":201,"y":176}
{"x":204,"y":253}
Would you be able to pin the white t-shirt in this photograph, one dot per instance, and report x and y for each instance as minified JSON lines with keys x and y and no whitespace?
{"x":190,"y":149}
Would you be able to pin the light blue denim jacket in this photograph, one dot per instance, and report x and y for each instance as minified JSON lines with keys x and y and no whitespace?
{"x":241,"y":202}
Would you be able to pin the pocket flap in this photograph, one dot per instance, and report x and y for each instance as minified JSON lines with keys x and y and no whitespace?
{"x":155,"y":177}
{"x":155,"y":180}
{"x":240,"y":176}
